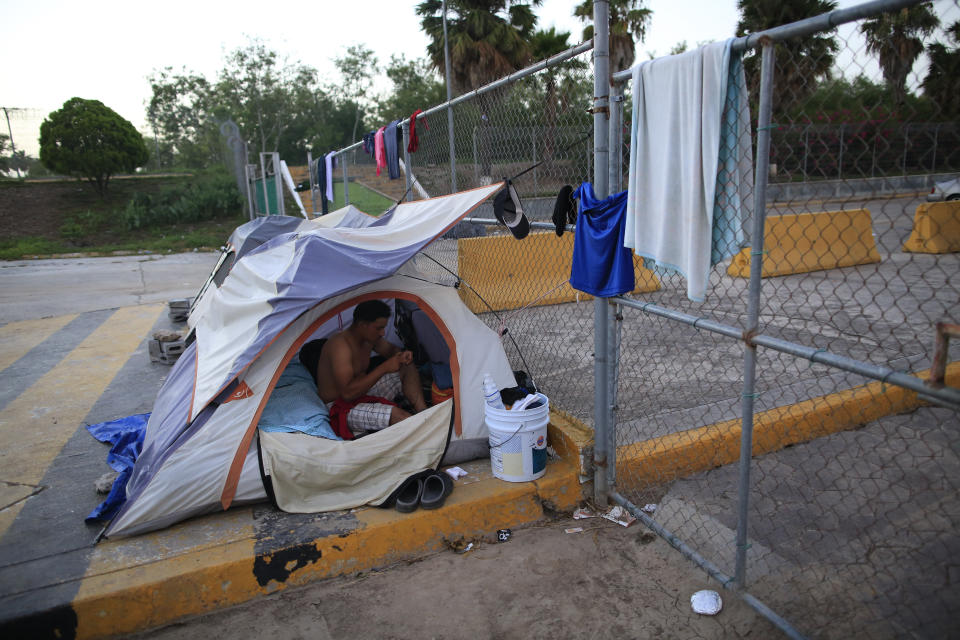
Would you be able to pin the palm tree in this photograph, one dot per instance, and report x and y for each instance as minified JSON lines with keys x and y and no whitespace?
{"x":801,"y":63}
{"x":895,"y":38}
{"x":942,"y":84}
{"x":628,"y":25}
{"x":543,"y":44}
{"x":488,"y":39}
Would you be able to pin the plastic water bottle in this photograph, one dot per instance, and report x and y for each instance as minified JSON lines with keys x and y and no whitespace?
{"x":491,"y":393}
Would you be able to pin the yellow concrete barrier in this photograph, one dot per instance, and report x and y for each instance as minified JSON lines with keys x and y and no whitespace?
{"x":509,"y":273}
{"x":936,"y":228}
{"x":803,"y":242}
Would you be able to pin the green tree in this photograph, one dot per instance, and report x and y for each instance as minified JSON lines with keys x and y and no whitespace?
{"x":488,"y":39}
{"x":801,"y":63}
{"x":416,"y":85}
{"x":179,"y":113}
{"x":5,"y":159}
{"x":628,"y":25}
{"x":254,"y":89}
{"x":278,"y":106}
{"x":87,"y":139}
{"x":896,"y":39}
{"x":357,"y":69}
{"x":942,"y":82}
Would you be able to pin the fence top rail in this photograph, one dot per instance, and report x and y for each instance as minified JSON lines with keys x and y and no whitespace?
{"x":805,"y":27}
{"x":563,"y":56}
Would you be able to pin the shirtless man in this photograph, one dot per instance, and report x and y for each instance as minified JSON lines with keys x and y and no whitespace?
{"x":344,"y":372}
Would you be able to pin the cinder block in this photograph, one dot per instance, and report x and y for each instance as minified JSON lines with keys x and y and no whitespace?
{"x":165,"y":352}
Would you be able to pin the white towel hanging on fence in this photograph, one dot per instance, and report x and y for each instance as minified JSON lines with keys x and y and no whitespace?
{"x":684,"y":106}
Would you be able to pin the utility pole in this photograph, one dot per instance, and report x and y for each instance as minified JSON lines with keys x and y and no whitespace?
{"x":13,"y":147}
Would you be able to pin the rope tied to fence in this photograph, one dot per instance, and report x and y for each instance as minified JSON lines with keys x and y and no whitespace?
{"x":503,"y":319}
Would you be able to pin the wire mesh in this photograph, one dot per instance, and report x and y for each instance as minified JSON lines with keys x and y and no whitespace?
{"x":519,"y":288}
{"x":853,"y":501}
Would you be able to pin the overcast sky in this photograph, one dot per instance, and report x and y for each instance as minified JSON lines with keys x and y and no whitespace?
{"x":105,"y":49}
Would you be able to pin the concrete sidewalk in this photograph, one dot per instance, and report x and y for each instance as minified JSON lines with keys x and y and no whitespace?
{"x":64,"y":372}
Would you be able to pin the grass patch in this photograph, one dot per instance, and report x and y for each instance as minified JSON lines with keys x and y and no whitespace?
{"x":51,"y":217}
{"x":175,"y":238}
{"x":361,"y":197}
{"x":29,"y":246}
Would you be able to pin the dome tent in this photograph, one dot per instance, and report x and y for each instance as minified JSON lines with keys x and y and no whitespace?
{"x":201,"y":452}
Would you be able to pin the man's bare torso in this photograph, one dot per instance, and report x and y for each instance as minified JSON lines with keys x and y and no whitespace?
{"x":359,"y":356}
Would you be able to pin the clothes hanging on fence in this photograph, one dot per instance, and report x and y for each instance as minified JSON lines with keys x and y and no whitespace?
{"x":379,"y":154}
{"x":390,"y":143}
{"x":690,"y":162}
{"x":321,"y":184}
{"x":601,"y":265}
{"x":414,"y":143}
{"x":368,"y":144}
{"x":331,"y":162}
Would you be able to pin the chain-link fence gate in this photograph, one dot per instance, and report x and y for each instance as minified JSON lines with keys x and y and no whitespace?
{"x":787,"y":428}
{"x":784,"y":433}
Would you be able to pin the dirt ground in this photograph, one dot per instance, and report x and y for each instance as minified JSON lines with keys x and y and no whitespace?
{"x":605,"y":582}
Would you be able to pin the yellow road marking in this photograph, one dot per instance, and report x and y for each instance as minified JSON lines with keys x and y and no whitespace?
{"x":17,"y":338}
{"x":36,"y":424}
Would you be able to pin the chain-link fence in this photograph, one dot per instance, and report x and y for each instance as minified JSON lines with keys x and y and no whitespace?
{"x":843,"y":521}
{"x":780,"y":433}
{"x":537,"y":118}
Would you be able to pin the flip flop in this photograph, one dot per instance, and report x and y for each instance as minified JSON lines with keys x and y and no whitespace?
{"x":436,"y":488}
{"x":408,"y":496}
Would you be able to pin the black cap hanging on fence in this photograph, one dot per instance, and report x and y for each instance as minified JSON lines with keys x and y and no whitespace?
{"x":509,"y":210}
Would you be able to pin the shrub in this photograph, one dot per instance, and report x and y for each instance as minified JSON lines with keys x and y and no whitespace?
{"x":79,"y":225}
{"x":207,"y":198}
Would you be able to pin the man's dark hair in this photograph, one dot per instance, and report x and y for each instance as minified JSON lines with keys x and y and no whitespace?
{"x":371,"y":311}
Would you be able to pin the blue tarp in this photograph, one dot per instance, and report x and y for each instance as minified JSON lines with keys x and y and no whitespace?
{"x":126,"y":436}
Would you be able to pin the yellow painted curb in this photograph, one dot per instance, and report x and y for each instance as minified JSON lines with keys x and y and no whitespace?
{"x":936,"y":228}
{"x":681,"y":454}
{"x":572,"y":440}
{"x":509,"y":273}
{"x":803,"y":242}
{"x":117,"y":599}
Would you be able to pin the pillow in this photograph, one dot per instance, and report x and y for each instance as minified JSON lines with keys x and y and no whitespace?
{"x":294,"y":406}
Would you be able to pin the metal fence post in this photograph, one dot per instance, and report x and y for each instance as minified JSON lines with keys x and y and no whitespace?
{"x":446,"y":64}
{"x":615,"y":164}
{"x":840,"y":158}
{"x":346,"y":181}
{"x":753,"y":310}
{"x":407,"y":170}
{"x":601,"y":306}
{"x":614,"y":167}
{"x":933,"y":159}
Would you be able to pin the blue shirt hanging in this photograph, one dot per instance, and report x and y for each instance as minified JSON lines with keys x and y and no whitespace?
{"x":602,"y":266}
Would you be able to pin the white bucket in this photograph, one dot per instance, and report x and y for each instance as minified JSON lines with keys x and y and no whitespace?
{"x":518,"y":441}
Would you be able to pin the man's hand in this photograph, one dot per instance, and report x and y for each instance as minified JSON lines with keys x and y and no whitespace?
{"x":397,"y":360}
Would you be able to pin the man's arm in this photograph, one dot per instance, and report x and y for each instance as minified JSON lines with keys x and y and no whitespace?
{"x":385,"y":348}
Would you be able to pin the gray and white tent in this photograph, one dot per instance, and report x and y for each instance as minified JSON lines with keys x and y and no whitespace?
{"x":203,"y":450}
